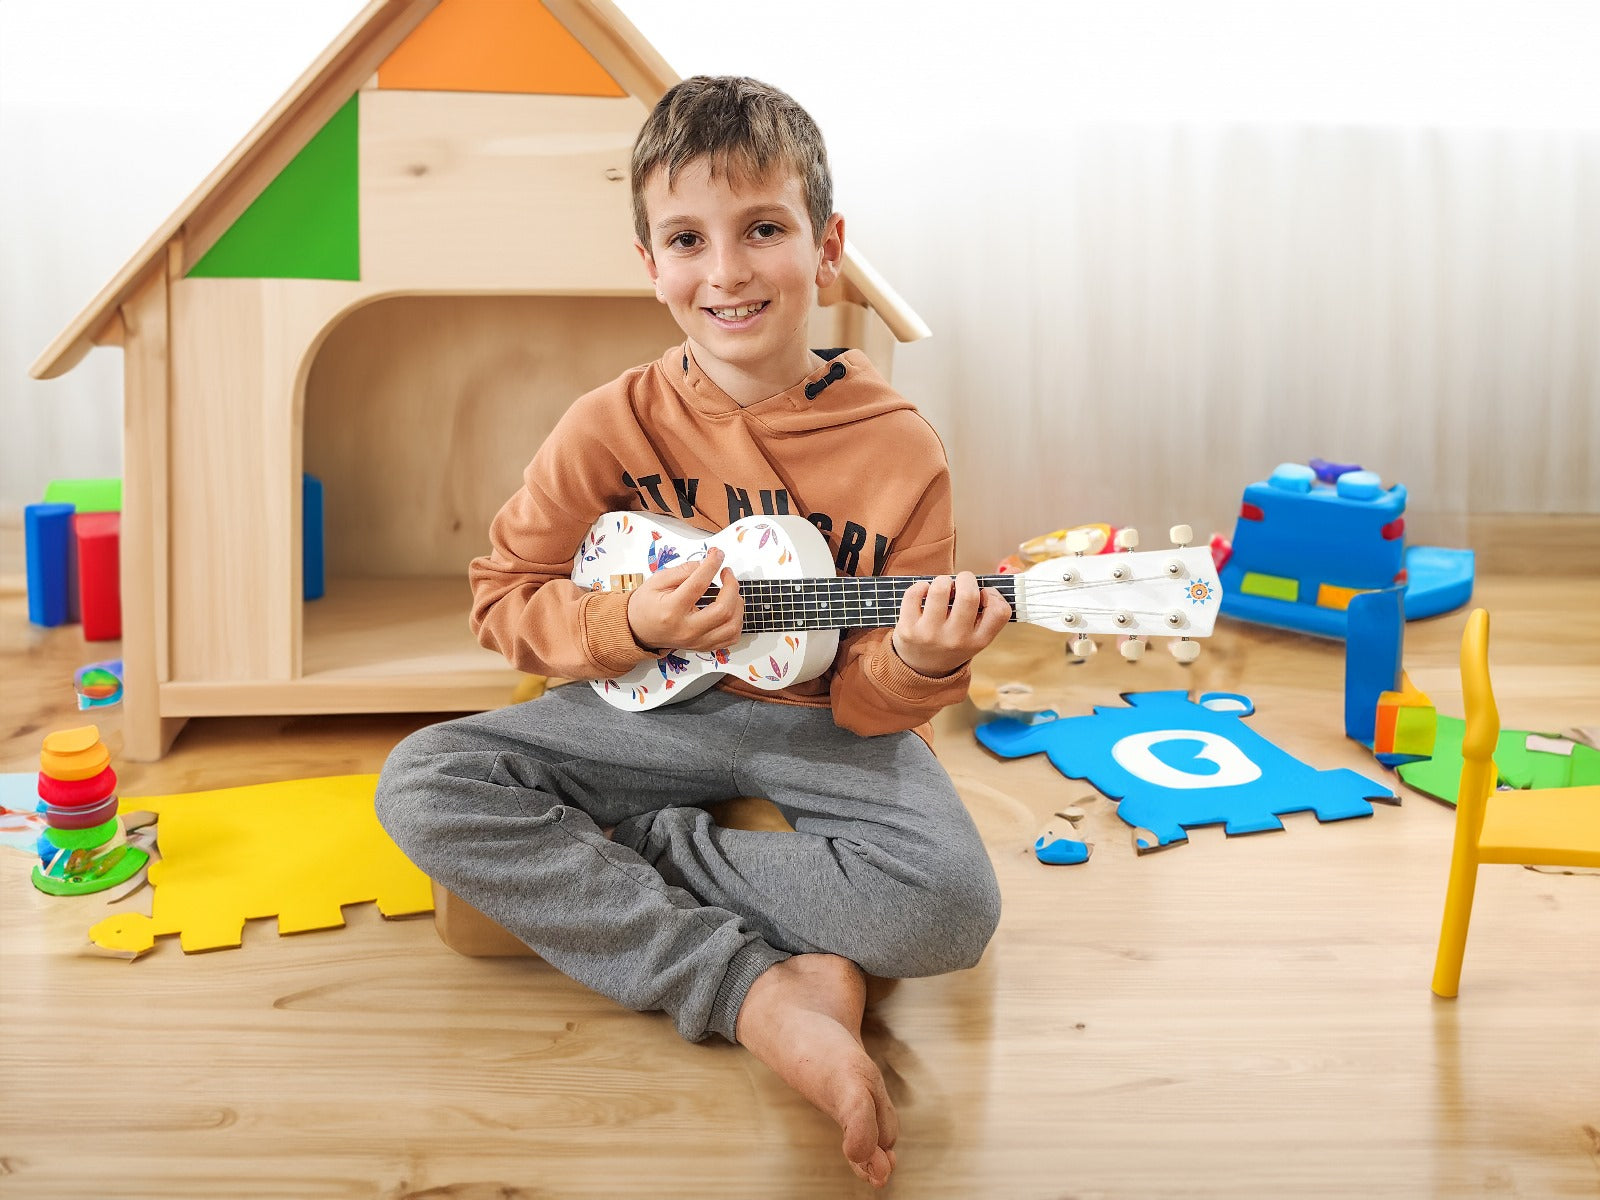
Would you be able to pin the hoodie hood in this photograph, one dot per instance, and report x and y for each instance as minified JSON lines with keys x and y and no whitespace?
{"x":843,"y":390}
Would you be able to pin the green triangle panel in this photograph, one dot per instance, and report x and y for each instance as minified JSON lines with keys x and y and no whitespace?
{"x":306,"y":224}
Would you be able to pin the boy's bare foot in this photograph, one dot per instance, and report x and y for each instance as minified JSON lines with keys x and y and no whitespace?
{"x":802,"y":1017}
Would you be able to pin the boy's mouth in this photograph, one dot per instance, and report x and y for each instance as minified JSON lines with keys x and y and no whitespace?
{"x":739,"y":312}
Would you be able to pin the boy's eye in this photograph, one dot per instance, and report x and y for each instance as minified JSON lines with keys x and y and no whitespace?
{"x":683,"y":241}
{"x":766,"y":229}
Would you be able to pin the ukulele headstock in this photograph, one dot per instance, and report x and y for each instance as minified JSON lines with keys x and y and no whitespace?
{"x":1126,"y":593}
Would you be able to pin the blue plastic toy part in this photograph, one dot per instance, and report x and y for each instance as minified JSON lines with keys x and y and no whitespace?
{"x":1059,"y":851}
{"x":1358,"y":485}
{"x":47,"y":530}
{"x":1438,"y":580}
{"x":1329,"y":472}
{"x":1174,"y":763}
{"x":311,"y":568}
{"x":1372,"y":657}
{"x":1292,"y":477}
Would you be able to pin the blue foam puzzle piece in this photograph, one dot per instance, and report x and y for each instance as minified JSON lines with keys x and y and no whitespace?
{"x":1175,"y":763}
{"x":1060,"y":851}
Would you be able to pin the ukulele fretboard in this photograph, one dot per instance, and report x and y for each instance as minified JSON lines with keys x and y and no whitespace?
{"x":780,"y":605}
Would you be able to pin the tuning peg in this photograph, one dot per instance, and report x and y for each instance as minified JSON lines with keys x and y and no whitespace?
{"x":1084,"y":647}
{"x":1132,"y":648}
{"x":1185,"y":650}
{"x":1078,"y":541}
{"x":1181,"y":535}
{"x":1127,"y":539}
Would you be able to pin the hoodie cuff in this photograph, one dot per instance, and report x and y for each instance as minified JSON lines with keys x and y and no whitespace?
{"x":893,"y":677}
{"x":607,"y":637}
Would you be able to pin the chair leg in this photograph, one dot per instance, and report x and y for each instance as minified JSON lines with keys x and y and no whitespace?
{"x":1453,"y":931}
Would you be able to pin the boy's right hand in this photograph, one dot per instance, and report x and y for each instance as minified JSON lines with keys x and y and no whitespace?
{"x":663,"y":615}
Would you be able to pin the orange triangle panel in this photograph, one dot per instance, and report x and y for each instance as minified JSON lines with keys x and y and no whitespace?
{"x":495,"y":46}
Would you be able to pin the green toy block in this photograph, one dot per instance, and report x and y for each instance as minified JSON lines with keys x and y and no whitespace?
{"x":86,"y":495}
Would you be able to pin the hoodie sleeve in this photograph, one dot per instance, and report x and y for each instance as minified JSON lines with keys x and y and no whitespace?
{"x":524,"y":603}
{"x":873,"y":691}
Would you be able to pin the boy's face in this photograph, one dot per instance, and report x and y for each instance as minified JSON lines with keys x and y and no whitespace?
{"x":738,"y":267}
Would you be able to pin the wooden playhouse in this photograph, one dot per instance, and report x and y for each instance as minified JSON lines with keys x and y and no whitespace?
{"x":406,"y":271}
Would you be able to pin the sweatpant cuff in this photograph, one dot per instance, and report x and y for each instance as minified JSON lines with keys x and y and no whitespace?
{"x":747,"y":963}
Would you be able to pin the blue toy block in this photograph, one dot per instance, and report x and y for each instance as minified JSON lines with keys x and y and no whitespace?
{"x":1175,"y":763}
{"x":311,"y":569}
{"x":47,"y":530}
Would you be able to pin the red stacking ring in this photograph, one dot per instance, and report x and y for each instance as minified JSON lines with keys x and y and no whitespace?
{"x":76,"y":793}
{"x":81,"y":818}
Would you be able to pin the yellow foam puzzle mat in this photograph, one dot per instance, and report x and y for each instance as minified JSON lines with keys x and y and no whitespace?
{"x":299,"y":850}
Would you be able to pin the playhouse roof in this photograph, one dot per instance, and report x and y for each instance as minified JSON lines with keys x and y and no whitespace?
{"x":338,"y":73}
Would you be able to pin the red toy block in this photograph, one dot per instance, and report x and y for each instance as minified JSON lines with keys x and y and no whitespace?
{"x":99,"y":537}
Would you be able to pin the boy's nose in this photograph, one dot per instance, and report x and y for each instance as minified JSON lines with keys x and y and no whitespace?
{"x":730,"y":269}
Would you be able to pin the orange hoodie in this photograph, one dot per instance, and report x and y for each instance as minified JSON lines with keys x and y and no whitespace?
{"x":841,"y":447}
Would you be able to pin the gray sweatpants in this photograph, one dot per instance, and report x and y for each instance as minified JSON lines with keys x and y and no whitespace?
{"x":675,"y":912}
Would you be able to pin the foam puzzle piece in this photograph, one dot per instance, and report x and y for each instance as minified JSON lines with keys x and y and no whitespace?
{"x":1175,"y":763}
{"x":298,"y":850}
{"x":1519,"y":766}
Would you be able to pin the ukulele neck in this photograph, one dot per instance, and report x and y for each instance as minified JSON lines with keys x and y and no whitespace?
{"x":845,"y":602}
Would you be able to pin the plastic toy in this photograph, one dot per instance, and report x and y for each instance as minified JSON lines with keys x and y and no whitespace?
{"x":90,"y":852}
{"x":1312,"y":537}
{"x":1176,"y":763}
{"x":99,"y":685}
{"x":1094,"y":539}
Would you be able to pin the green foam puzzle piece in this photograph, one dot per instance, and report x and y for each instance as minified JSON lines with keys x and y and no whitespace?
{"x":1518,"y":766}
{"x":306,"y":224}
{"x":86,"y":495}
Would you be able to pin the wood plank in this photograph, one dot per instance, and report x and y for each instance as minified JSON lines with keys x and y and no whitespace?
{"x":475,"y":192}
{"x":144,"y":532}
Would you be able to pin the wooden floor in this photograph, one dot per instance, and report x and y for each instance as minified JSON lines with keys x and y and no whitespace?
{"x":1234,"y":1017}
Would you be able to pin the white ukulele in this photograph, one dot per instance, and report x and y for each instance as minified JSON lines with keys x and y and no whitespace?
{"x":795,"y":606}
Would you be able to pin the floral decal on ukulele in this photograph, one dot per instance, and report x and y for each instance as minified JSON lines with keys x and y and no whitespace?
{"x":671,"y":663}
{"x":769,"y":535}
{"x":591,"y":550}
{"x":1199,"y":591}
{"x":779,"y":671}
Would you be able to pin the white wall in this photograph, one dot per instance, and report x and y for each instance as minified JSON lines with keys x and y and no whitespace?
{"x":1162,"y":245}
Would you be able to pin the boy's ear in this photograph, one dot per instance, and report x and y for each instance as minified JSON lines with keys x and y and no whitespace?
{"x":830,"y":252}
{"x":647,"y":257}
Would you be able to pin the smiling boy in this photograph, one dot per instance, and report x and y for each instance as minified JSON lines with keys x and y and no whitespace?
{"x":584,"y":829}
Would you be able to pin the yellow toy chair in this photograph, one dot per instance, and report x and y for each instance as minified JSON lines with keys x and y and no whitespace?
{"x":1556,"y":827}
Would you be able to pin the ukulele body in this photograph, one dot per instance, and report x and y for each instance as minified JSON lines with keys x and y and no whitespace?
{"x":622,"y":549}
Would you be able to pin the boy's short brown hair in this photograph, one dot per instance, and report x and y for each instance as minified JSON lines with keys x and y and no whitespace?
{"x":744,"y":128}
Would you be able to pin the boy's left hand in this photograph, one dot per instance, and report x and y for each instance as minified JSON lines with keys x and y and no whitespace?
{"x":945,"y":621}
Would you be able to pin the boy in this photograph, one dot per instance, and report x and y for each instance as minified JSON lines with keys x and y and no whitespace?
{"x":583,"y":829}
